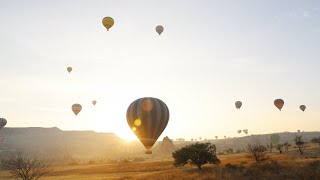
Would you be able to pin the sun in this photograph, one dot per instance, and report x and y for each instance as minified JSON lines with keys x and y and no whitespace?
{"x":126,"y":135}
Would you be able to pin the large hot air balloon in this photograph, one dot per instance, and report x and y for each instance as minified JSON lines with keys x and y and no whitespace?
{"x":239,"y":131}
{"x":3,"y":122}
{"x":159,"y":29}
{"x":303,"y":108}
{"x":238,"y":104}
{"x":76,"y":108}
{"x":69,"y":69}
{"x":279,"y":103}
{"x":94,"y":102}
{"x":147,"y":118}
{"x":108,"y":22}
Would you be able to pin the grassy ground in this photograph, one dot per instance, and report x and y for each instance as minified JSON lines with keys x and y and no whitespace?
{"x":236,"y":166}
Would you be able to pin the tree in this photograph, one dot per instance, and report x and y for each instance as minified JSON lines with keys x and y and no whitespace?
{"x":229,"y":150}
{"x":270,"y":146}
{"x":257,"y":152}
{"x":196,"y":154}
{"x":280,"y":147}
{"x":315,"y":140}
{"x":21,"y":166}
{"x":286,"y":146}
{"x":300,"y":143}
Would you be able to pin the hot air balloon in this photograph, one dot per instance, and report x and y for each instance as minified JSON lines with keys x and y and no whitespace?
{"x":303,"y":108}
{"x":239,"y":131}
{"x":147,"y":118}
{"x":245,"y":131}
{"x":107,"y":22}
{"x":279,"y":103}
{"x":159,"y":29}
{"x":3,"y":122}
{"x":69,"y":69}
{"x":94,"y":102}
{"x":76,"y":108}
{"x":216,"y":137}
{"x":238,"y":104}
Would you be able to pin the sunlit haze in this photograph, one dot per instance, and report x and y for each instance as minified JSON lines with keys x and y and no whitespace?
{"x":211,"y":54}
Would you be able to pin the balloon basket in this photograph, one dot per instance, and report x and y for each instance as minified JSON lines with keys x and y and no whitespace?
{"x":148,"y":152}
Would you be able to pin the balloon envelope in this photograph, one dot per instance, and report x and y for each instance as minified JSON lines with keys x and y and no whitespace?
{"x":147,"y":118}
{"x":303,"y":107}
{"x":3,"y":122}
{"x":76,"y":108}
{"x":107,"y":22}
{"x":69,"y":69}
{"x":94,"y":102}
{"x":159,"y":29}
{"x":238,"y":104}
{"x":279,"y":103}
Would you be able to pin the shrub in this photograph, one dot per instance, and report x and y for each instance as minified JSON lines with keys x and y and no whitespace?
{"x":257,"y":152}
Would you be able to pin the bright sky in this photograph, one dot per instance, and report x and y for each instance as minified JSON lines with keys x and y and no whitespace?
{"x":211,"y":54}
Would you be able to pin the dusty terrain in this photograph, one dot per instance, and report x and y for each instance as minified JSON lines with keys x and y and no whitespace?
{"x":289,"y":165}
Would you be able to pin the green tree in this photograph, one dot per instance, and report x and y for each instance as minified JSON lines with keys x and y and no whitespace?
{"x":196,"y":154}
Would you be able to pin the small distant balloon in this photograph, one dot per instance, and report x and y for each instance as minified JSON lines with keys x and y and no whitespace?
{"x":216,"y":137}
{"x":3,"y":122}
{"x":279,"y":103}
{"x":69,"y":69}
{"x":303,"y":108}
{"x":245,"y":131}
{"x":94,"y":102}
{"x":159,"y":29}
{"x":239,"y":131}
{"x":238,"y":104}
{"x":107,"y":22}
{"x":76,"y":108}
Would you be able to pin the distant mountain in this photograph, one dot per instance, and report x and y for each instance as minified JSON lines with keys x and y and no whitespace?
{"x":240,"y":143}
{"x":53,"y":142}
{"x":57,"y":142}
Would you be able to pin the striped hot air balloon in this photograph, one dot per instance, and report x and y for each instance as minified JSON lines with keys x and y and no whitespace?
{"x":147,"y":118}
{"x":3,"y":122}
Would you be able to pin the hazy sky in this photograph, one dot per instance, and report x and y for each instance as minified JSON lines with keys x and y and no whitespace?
{"x":211,"y":54}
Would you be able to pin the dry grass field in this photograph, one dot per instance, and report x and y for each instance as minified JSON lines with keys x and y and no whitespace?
{"x":289,"y":165}
{"x":234,"y":166}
